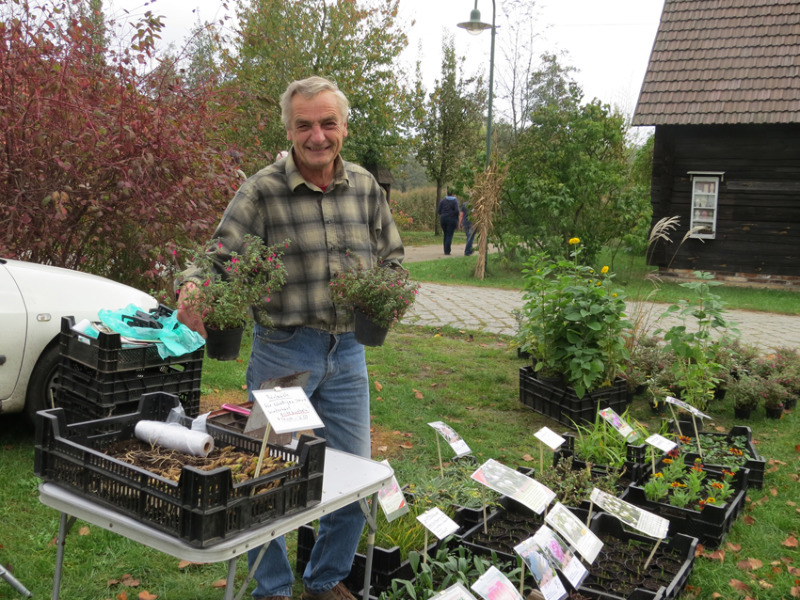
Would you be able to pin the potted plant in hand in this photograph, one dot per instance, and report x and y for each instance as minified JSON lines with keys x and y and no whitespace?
{"x":378,"y":296}
{"x":224,"y":300}
{"x":573,"y":322}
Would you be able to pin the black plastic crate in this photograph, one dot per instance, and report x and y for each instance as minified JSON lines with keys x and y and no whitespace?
{"x":78,"y":408}
{"x":106,"y":391}
{"x":562,"y":404}
{"x":709,"y":525}
{"x":204,"y":507}
{"x":106,"y":354}
{"x":678,"y":549}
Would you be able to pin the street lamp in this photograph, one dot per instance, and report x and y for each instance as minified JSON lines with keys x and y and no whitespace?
{"x":475,"y":26}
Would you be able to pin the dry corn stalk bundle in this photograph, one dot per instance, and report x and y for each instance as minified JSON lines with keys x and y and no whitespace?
{"x":486,"y":197}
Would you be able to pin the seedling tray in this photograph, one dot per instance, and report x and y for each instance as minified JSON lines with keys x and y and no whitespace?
{"x":671,"y":566}
{"x":203,"y":507}
{"x":106,"y":354}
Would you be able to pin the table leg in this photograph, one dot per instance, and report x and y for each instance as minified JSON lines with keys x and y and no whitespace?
{"x":230,"y":583}
{"x":372,"y":523}
{"x":64,"y":526}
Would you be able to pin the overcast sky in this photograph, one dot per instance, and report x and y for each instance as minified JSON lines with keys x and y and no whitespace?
{"x":608,"y":41}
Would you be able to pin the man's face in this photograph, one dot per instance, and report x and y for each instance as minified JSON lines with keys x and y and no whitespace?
{"x":316,"y":131}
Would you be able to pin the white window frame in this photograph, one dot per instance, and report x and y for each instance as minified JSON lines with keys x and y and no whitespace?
{"x":704,"y":205}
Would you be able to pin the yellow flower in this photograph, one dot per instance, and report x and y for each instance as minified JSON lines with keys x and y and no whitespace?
{"x":599,"y":283}
{"x":574,"y":241}
{"x":604,"y":269}
{"x":614,"y":295}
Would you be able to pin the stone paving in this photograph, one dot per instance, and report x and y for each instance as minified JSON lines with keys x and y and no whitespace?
{"x":490,"y":310}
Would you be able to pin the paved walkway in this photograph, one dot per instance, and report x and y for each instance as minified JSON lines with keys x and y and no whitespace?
{"x":490,"y":310}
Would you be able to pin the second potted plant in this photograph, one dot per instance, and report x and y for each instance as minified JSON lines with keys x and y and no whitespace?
{"x":378,"y":296}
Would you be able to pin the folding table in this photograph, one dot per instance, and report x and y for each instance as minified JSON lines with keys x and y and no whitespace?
{"x":346,"y":479}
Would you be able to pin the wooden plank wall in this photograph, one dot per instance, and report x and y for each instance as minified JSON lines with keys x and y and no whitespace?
{"x":758,"y":223}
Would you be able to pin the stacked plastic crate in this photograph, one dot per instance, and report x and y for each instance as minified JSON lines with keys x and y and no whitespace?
{"x":101,"y":377}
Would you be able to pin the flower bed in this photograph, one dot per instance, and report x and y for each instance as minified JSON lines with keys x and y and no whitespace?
{"x":561,"y":403}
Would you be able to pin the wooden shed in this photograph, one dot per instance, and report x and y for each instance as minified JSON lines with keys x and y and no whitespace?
{"x":722,"y":89}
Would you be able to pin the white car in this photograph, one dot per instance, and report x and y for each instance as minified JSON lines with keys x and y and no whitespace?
{"x":33,"y":298}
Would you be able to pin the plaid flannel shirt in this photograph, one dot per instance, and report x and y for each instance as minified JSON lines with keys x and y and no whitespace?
{"x":351,"y":217}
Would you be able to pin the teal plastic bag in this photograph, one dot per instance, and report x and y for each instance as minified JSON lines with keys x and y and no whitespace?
{"x":172,"y":338}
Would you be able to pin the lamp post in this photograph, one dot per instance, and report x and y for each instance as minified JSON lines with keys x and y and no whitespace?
{"x":475,"y":26}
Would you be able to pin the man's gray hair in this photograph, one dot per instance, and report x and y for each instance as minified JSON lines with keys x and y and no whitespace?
{"x":310,"y":88}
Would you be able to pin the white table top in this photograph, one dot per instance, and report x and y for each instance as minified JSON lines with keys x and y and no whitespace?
{"x":346,"y":478}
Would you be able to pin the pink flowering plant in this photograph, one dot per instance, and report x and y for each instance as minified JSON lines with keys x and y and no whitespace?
{"x":246,"y":279}
{"x":383,"y":294}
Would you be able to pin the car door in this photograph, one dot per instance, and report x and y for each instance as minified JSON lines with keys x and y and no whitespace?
{"x":13,"y":324}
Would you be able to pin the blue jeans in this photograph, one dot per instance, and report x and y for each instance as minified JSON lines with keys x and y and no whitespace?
{"x":449,"y":226}
{"x":470,"y":233}
{"x":338,"y":388}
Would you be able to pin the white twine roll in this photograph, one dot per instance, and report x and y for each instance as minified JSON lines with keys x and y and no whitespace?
{"x":174,"y":437}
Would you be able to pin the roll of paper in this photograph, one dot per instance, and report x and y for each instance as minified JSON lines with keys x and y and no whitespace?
{"x":174,"y":437}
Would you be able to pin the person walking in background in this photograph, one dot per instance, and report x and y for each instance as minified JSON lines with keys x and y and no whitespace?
{"x":448,"y":217}
{"x":335,"y":216}
{"x":465,"y":224}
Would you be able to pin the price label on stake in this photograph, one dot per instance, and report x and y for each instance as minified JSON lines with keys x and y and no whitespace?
{"x":285,"y":409}
{"x":438,"y":523}
{"x":549,"y":437}
{"x":660,"y":442}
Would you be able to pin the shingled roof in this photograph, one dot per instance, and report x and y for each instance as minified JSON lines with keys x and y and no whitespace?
{"x":723,"y":62}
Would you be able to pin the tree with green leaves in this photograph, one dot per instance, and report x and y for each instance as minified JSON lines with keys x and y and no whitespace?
{"x":568,"y":175}
{"x":451,"y":121}
{"x":352,"y":43}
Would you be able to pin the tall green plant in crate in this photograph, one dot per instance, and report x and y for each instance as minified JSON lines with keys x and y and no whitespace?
{"x":573,"y":320}
{"x":694,"y":341}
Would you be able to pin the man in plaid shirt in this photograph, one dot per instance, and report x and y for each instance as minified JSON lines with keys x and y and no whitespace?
{"x":334,"y":214}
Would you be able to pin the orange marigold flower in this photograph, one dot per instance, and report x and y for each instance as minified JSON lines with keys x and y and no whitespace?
{"x":667,"y":461}
{"x":716,"y":485}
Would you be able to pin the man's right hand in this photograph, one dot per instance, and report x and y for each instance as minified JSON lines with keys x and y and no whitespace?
{"x":187,"y":314}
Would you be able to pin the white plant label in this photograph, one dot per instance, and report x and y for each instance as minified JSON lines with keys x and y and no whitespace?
{"x":286,"y":409}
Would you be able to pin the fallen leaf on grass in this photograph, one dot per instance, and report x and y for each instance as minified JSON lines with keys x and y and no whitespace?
{"x":739,"y":585}
{"x":417,"y":394}
{"x":382,"y":448}
{"x":219,"y":583}
{"x":129,"y":581}
{"x":716,"y":555}
{"x":749,"y":564}
{"x":84,"y":530}
{"x":773,"y":491}
{"x":527,"y":458}
{"x":795,"y":591}
{"x":188,"y":563}
{"x":378,"y":386}
{"x":733,"y":547}
{"x":765,"y":585}
{"x":790,"y":542}
{"x":147,"y":596}
{"x":748,"y":520}
{"x":407,"y":445}
{"x":123,"y":595}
